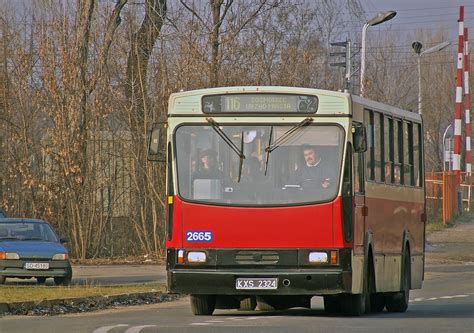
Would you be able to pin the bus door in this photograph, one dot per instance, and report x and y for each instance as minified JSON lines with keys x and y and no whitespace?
{"x":360,"y":207}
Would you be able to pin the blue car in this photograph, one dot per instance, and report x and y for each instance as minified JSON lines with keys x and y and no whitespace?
{"x":29,"y":248}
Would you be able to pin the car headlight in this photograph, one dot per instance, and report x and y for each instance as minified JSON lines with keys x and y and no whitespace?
{"x":9,"y":256}
{"x":61,"y":256}
{"x":196,"y":257}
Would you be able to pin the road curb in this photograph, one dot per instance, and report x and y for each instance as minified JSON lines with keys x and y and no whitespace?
{"x":83,"y":304}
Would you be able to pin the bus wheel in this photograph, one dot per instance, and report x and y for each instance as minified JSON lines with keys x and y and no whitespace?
{"x":358,"y":304}
{"x":377,"y":300}
{"x":248,"y":304}
{"x":398,"y":302}
{"x":332,"y":304}
{"x":203,"y":305}
{"x":263,"y":305}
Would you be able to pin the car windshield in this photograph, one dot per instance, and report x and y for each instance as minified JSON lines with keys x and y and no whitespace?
{"x":27,"y":231}
{"x":283,"y":164}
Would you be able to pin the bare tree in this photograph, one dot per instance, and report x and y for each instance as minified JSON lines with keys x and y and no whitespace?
{"x":146,"y":202}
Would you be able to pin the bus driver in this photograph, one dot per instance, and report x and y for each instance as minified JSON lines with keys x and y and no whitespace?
{"x":314,"y":171}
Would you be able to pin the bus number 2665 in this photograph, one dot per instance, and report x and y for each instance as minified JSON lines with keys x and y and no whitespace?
{"x":199,"y":236}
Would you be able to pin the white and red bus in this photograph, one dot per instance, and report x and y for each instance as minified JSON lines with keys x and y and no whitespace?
{"x":279,"y":194}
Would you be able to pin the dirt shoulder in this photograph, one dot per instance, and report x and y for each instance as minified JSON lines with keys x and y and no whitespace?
{"x":453,"y":245}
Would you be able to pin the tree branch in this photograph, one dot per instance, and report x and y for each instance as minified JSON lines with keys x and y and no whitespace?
{"x":195,"y":14}
{"x":112,"y":24}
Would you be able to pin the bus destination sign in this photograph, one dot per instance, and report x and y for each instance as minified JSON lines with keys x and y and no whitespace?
{"x":260,"y":103}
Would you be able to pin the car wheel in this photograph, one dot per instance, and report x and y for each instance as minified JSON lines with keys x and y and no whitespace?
{"x":2,"y":279}
{"x":64,"y":280}
{"x":41,"y":280}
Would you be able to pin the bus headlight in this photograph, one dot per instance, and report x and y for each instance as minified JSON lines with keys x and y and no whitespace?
{"x":318,"y":258}
{"x":196,"y":257}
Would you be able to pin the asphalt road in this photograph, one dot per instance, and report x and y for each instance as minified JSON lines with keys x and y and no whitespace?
{"x":108,"y":275}
{"x":445,"y":304}
{"x":119,"y":274}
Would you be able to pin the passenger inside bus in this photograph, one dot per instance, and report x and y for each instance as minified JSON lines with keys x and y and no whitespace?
{"x":208,"y":167}
{"x":207,"y":177}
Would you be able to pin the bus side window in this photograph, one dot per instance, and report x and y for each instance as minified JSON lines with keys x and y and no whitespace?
{"x":417,"y":154}
{"x":370,"y":153}
{"x":378,"y":147}
{"x":398,"y":151}
{"x":407,"y":153}
{"x":388,"y":149}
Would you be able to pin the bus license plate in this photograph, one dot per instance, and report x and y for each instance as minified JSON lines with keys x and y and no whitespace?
{"x":37,"y":265}
{"x":256,"y":283}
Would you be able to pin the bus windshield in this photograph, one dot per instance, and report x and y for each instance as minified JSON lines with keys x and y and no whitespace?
{"x":302,"y":168}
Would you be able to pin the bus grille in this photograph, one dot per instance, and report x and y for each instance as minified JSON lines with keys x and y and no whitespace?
{"x":256,"y":257}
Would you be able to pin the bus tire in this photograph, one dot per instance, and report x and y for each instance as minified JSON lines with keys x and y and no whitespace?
{"x":332,"y":304}
{"x":2,"y":279}
{"x":377,"y":300}
{"x":358,"y":304}
{"x":203,"y":305}
{"x":398,"y":302}
{"x":248,"y":304}
{"x":263,"y":305}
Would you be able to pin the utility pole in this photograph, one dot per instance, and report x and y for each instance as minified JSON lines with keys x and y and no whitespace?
{"x":347,"y":54}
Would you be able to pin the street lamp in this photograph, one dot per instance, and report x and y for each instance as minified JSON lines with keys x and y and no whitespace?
{"x":417,"y":46}
{"x":450,"y":148}
{"x":380,"y":18}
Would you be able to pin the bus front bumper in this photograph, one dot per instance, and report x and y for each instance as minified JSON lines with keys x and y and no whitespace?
{"x":224,"y":282}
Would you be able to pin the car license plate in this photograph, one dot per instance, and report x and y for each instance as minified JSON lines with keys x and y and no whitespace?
{"x":256,"y":283}
{"x":37,"y":265}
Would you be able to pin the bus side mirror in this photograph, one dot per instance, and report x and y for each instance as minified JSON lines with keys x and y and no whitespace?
{"x":157,"y":144}
{"x":359,"y":138}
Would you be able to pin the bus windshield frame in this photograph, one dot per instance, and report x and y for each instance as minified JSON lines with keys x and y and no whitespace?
{"x":284,"y":184}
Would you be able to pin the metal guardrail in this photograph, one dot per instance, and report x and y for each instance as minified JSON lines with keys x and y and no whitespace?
{"x":442,"y":186}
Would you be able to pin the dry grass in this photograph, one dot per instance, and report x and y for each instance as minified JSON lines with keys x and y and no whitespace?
{"x":19,"y":293}
{"x":436,"y":226}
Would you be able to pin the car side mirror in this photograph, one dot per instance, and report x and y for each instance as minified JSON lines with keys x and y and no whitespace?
{"x":359,"y":138}
{"x":64,"y":240}
{"x":157,"y":143}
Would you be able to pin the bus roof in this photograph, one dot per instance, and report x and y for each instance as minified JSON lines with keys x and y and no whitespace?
{"x":377,"y":106}
{"x":187,"y":103}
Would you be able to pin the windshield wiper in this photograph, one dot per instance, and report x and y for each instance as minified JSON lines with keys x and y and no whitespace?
{"x":228,"y":141}
{"x":267,"y":150}
{"x":32,"y":238}
{"x":9,"y":238}
{"x":282,"y":139}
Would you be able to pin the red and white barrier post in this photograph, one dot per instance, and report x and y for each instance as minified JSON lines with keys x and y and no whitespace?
{"x":466,"y":101}
{"x":458,"y":105}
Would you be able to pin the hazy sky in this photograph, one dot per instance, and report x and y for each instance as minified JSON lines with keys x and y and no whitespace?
{"x":416,"y":14}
